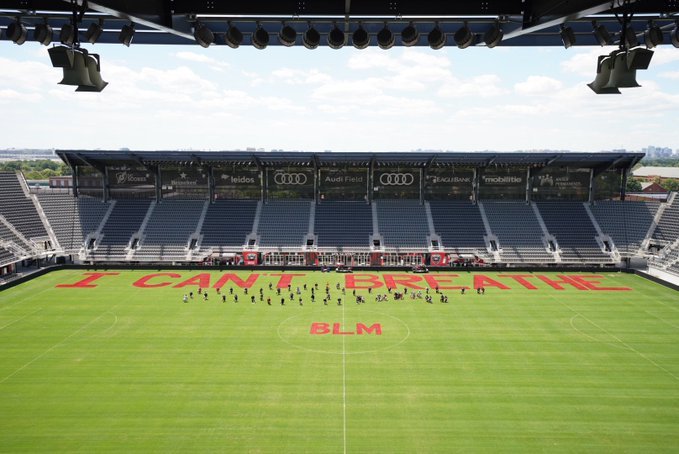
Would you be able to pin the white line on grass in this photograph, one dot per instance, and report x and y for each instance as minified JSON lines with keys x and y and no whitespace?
{"x":52,"y":347}
{"x":344,"y":386}
{"x":19,"y":319}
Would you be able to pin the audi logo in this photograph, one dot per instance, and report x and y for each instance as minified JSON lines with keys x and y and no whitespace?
{"x":397,"y":179}
{"x":290,"y":178}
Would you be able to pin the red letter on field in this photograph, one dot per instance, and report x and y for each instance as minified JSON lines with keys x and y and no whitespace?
{"x":143,"y":282}
{"x":201,"y":281}
{"x":371,"y":281}
{"x":521,"y":279}
{"x":336,"y":329}
{"x":236,"y":280}
{"x":403,"y":279}
{"x":593,"y":285}
{"x":375,"y":327}
{"x":87,"y":282}
{"x":557,"y":285}
{"x":286,"y":279}
{"x":484,"y":281}
{"x":438,"y":279}
{"x":320,"y":328}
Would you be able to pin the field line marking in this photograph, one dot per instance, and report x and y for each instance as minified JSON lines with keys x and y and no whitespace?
{"x":52,"y":347}
{"x":663,"y":320}
{"x":344,"y":386}
{"x":629,"y":347}
{"x":575,"y":328}
{"x":19,"y":319}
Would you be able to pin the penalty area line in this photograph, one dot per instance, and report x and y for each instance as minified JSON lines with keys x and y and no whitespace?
{"x":344,"y":388}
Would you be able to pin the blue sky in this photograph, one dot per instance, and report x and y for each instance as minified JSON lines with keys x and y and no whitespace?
{"x":179,"y":97}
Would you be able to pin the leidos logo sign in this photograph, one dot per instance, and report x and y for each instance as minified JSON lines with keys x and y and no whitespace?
{"x":321,"y":328}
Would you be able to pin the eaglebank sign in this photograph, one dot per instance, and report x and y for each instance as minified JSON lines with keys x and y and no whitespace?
{"x":359,"y":281}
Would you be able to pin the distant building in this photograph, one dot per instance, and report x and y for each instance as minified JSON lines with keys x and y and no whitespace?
{"x":61,"y":182}
{"x":651,"y":187}
{"x":649,"y":173}
{"x":657,"y":152}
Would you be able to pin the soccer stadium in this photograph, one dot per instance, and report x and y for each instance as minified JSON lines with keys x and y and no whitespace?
{"x":338,"y":301}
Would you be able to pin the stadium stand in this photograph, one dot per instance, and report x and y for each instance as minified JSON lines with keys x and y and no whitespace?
{"x":460,"y":226}
{"x":13,"y":241}
{"x":284,"y":223}
{"x":343,"y":224}
{"x":569,"y":223}
{"x":19,"y":209}
{"x":167,"y":233}
{"x":518,"y":231}
{"x":402,"y":223}
{"x":227,"y":223}
{"x":6,"y":256}
{"x":72,"y":218}
{"x":627,"y":223}
{"x":125,"y":220}
{"x":667,"y":229}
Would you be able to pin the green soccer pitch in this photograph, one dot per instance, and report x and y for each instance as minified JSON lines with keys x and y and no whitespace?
{"x":543,"y":362}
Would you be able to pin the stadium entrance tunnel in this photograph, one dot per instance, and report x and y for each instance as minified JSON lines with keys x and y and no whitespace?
{"x":346,"y":331}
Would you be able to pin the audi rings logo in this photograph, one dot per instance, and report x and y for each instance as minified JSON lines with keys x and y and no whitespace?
{"x":397,"y":179}
{"x":290,"y":179}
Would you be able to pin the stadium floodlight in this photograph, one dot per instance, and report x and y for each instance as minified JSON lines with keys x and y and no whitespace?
{"x":17,"y":32}
{"x":78,"y":74}
{"x":67,"y":34}
{"x":61,"y":56}
{"x":287,"y":36}
{"x":409,"y":35}
{"x":126,"y":34}
{"x":603,"y":75}
{"x":311,"y":38}
{"x":203,"y":35}
{"x":94,"y":31}
{"x":336,"y":38}
{"x":639,"y":58}
{"x":601,"y":34}
{"x":621,"y":75}
{"x":43,"y":33}
{"x":567,"y":36}
{"x":233,"y":37}
{"x":628,"y":38}
{"x":493,"y":36}
{"x":360,"y":38}
{"x":653,"y":36}
{"x":675,"y":35}
{"x":385,"y":38}
{"x":436,"y":38}
{"x":260,"y":38}
{"x":93,"y":63}
{"x":463,"y":37}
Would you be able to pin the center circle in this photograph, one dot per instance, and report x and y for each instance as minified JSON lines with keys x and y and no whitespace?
{"x":352,"y":332}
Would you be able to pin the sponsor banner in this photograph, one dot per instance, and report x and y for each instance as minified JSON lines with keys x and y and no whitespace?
{"x":343,"y":184}
{"x":237,"y":178}
{"x":449,"y":183}
{"x":184,"y":177}
{"x":250,"y":258}
{"x":291,"y":182}
{"x":122,"y":176}
{"x":397,"y":183}
{"x":438,"y":259}
{"x":503,"y":183}
{"x":561,"y":183}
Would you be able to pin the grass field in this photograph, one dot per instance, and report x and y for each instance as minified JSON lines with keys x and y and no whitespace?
{"x":118,"y":367}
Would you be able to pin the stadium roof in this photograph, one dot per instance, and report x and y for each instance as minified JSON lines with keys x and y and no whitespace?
{"x":523,"y":22}
{"x":98,"y":158}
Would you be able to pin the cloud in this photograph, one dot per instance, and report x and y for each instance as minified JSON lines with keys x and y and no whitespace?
{"x":195,"y":57}
{"x":537,"y":85}
{"x":484,"y":86}
{"x":674,"y":75}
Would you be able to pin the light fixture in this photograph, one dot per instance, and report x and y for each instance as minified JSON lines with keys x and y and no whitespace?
{"x":493,"y":36}
{"x":601,"y":34}
{"x":463,"y":37}
{"x":603,"y":75}
{"x":409,"y":35}
{"x":78,"y":73}
{"x":360,"y":38}
{"x":675,"y":35}
{"x":628,"y":38}
{"x":567,"y":36}
{"x":43,"y":33}
{"x":203,"y":35}
{"x":385,"y":38}
{"x":93,"y":64}
{"x":653,"y":35}
{"x":61,"y":56}
{"x":67,"y":34}
{"x":336,"y":38}
{"x":639,"y":58}
{"x":126,"y":34}
{"x":311,"y":38}
{"x":94,"y":31}
{"x":621,"y":75}
{"x":17,"y":32}
{"x":260,"y":38}
{"x":233,"y":37}
{"x":287,"y":36}
{"x":436,"y":38}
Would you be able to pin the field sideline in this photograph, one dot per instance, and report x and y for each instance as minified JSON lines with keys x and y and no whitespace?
{"x":118,"y":362}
